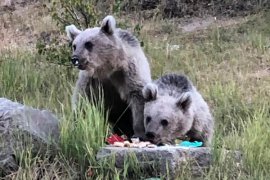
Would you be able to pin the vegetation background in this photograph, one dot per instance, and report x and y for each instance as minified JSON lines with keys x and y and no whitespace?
{"x":223,"y":47}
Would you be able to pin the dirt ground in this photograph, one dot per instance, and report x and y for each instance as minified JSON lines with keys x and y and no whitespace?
{"x":23,"y":23}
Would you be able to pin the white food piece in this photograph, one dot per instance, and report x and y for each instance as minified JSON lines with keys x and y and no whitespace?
{"x":127,"y":144}
{"x":147,"y":142}
{"x":135,"y":140}
{"x":118,"y":144}
{"x":151,"y":146}
{"x":142,"y":144}
{"x":133,"y":145}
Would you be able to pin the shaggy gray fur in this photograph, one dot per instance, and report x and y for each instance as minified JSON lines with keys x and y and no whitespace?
{"x":113,"y":57}
{"x":175,"y":109}
{"x":129,"y":38}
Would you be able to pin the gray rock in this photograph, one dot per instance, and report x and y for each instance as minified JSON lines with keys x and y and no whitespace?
{"x":165,"y":160}
{"x":23,"y":128}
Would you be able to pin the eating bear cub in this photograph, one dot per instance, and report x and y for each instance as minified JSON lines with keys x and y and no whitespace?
{"x":175,"y":109}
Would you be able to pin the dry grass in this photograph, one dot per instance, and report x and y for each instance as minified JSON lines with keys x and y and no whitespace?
{"x":21,"y":28}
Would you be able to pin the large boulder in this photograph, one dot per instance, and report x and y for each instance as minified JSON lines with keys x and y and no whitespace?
{"x":23,"y":128}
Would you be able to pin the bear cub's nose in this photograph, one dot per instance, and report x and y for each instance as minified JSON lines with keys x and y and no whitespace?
{"x":150,"y":135}
{"x":75,"y":61}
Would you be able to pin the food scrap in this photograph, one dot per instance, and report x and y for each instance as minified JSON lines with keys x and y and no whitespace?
{"x":136,"y":143}
{"x":118,"y":141}
{"x":114,"y":138}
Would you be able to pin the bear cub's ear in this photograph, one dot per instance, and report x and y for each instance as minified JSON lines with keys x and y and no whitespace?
{"x":150,"y":92}
{"x":108,"y":25}
{"x":72,"y":32}
{"x":184,"y":102}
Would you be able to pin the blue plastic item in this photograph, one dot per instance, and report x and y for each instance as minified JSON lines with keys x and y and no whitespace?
{"x":191,"y":144}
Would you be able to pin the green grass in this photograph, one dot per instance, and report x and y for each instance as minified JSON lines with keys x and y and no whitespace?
{"x":226,"y":64}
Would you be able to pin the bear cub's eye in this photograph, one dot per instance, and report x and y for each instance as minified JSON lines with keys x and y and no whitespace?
{"x":164,"y":122}
{"x":148,"y":119}
{"x":88,"y":45}
{"x":74,"y":47}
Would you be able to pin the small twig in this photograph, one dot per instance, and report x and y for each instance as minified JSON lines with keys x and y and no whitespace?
{"x":86,"y":21}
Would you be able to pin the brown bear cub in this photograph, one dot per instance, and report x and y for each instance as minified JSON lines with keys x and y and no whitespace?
{"x":112,"y":58}
{"x":175,"y":109}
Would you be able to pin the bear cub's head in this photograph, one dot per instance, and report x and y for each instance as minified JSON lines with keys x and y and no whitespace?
{"x":166,"y":117}
{"x":94,"y":49}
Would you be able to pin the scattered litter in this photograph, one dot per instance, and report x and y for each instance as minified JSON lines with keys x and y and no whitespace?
{"x":191,"y":144}
{"x":119,"y":141}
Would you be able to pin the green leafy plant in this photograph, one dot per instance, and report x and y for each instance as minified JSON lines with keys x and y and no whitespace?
{"x":81,"y":13}
{"x":55,"y":52}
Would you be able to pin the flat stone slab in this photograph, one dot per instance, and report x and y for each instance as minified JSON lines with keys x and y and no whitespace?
{"x":165,"y":159}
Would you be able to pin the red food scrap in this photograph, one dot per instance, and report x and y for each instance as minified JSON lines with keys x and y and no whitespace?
{"x":114,"y":138}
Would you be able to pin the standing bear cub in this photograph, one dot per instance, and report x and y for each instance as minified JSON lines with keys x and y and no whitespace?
{"x":113,"y":59}
{"x":175,"y":109}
